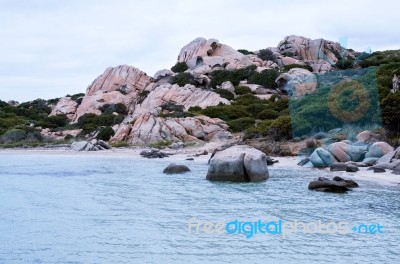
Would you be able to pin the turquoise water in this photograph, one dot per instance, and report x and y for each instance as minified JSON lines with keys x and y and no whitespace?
{"x":85,"y":209}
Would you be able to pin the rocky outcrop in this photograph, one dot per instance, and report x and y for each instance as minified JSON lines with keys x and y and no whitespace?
{"x":176,"y":169}
{"x":186,"y":96}
{"x":121,"y":84}
{"x":149,"y":128}
{"x":297,"y":82}
{"x":343,"y":151}
{"x":65,"y":106}
{"x":321,"y":158}
{"x":239,"y":163}
{"x":320,"y":54}
{"x":94,"y":145}
{"x":202,"y":52}
{"x":59,"y":135}
{"x":367,"y":137}
{"x":153,"y":154}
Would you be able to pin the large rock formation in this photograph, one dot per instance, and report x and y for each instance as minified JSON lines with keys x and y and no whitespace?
{"x":201,"y":51}
{"x":121,"y":84}
{"x":320,"y":54}
{"x":239,"y":163}
{"x":186,"y":96}
{"x":297,"y":82}
{"x":65,"y":106}
{"x":149,"y":128}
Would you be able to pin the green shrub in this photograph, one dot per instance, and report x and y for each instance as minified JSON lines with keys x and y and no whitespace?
{"x":266,"y":55}
{"x":268,"y":114}
{"x":68,"y":137}
{"x":291,"y":66}
{"x":241,"y":124}
{"x":57,"y":121}
{"x":161,"y":144}
{"x":121,"y":144}
{"x":256,"y":108}
{"x":234,"y":76}
{"x":280,"y":128}
{"x":195,"y":109}
{"x":105,"y":133}
{"x":225,"y":94}
{"x":13,"y":135}
{"x":245,"y":52}
{"x":265,"y":78}
{"x":179,"y":67}
{"x":182,"y":79}
{"x":248,"y":99}
{"x":88,"y":128}
{"x":345,"y":63}
{"x":226,"y":112}
{"x":111,"y":108}
{"x":241,"y":90}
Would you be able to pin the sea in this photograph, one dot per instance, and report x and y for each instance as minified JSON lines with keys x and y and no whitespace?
{"x":81,"y":208}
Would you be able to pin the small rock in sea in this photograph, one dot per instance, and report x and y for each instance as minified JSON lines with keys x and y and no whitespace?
{"x":175,"y":169}
{"x":190,"y":159}
{"x":337,"y":185}
{"x":379,"y":170}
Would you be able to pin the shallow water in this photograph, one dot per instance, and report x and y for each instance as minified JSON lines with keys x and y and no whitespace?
{"x":84,"y":209}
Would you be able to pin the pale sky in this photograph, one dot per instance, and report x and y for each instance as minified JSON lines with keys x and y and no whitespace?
{"x":51,"y":48}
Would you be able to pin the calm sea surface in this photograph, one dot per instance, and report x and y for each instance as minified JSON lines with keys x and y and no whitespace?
{"x":86,"y":209}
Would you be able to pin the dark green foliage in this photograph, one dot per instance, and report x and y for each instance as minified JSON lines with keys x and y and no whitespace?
{"x":225,"y":94}
{"x":111,"y":108}
{"x":172,"y":106}
{"x":182,"y":79}
{"x":105,"y":133}
{"x":248,"y":99}
{"x":234,"y":76}
{"x":265,"y":78}
{"x":267,"y":114}
{"x":3,"y":104}
{"x":226,"y":112}
{"x":390,"y":112}
{"x":142,"y":95}
{"x":195,"y":109}
{"x":241,"y":90}
{"x":179,"y":67}
{"x":77,"y":97}
{"x":381,"y":57}
{"x":280,"y":128}
{"x":245,"y":52}
{"x":13,"y":135}
{"x":345,"y":63}
{"x":291,"y":66}
{"x":267,"y":55}
{"x":91,"y":122}
{"x":240,"y":124}
{"x":57,"y":121}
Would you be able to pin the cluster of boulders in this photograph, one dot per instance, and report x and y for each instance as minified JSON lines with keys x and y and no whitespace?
{"x":348,"y":156}
{"x":93,"y":145}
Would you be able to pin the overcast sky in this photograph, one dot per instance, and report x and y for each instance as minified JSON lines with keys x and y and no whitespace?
{"x":51,"y":48}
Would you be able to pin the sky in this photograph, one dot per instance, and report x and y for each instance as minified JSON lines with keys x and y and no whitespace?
{"x":52,"y":48}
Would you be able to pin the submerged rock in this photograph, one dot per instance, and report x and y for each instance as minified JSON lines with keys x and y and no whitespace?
{"x":240,"y":163}
{"x":175,"y":169}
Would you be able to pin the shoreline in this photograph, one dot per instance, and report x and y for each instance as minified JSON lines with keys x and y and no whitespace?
{"x":386,"y":178}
